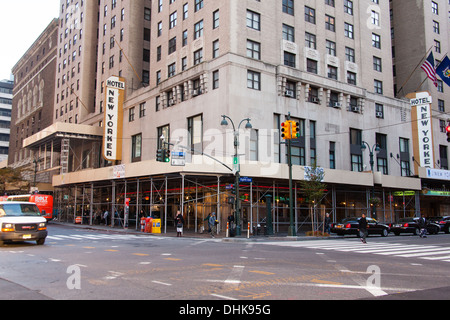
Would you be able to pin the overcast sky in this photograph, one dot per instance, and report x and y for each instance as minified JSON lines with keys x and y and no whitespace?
{"x":21,"y":23}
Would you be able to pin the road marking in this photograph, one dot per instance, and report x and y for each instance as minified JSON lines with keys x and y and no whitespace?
{"x":141,"y":254}
{"x":163,"y":283}
{"x":326,"y":282}
{"x":145,"y":262}
{"x":172,"y":259}
{"x":235,"y":276}
{"x":212,"y":265}
{"x":222,"y":297}
{"x":111,"y":250}
{"x":262,"y":272}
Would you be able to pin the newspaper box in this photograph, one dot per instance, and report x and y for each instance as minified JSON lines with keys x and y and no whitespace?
{"x":156,"y":226}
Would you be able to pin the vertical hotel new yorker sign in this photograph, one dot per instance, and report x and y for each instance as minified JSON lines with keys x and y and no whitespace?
{"x":113,"y":121}
{"x":422,"y":129}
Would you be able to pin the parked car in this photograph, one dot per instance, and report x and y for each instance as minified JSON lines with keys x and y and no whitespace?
{"x":443,"y":222}
{"x":22,"y":221}
{"x":411,"y":225}
{"x":350,"y":226}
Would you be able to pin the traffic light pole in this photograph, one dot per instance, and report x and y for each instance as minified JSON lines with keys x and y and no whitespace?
{"x":291,"y":230}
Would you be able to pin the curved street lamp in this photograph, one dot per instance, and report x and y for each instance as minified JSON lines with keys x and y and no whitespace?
{"x":236,"y":167}
{"x":377,"y":149}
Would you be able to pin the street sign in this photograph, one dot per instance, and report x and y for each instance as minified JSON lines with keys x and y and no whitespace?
{"x":245,"y":179}
{"x":178,"y":158}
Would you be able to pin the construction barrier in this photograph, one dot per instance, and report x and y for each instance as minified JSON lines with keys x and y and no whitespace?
{"x":78,"y":220}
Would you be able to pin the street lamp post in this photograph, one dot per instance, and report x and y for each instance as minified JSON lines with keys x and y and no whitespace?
{"x":377,"y":149}
{"x":236,"y":165}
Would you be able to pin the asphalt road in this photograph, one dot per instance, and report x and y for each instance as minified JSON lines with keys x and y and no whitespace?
{"x":98,"y":265}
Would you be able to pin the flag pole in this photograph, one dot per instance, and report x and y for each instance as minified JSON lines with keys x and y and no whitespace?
{"x":421,"y":60}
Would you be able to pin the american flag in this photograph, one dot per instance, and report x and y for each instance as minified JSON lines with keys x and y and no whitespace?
{"x":428,"y":67}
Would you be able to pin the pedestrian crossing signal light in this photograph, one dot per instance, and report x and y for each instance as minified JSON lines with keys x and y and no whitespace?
{"x":286,"y":130}
{"x":448,"y":133}
{"x":295,"y":129}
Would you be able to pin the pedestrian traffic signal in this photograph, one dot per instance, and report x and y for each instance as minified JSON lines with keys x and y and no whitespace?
{"x":160,"y":155}
{"x":286,"y":130}
{"x":166,"y":155}
{"x":295,"y":129}
{"x":448,"y":133}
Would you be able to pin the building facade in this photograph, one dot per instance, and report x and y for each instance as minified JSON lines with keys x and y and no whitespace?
{"x":428,"y":25}
{"x":34,"y":91}
{"x":328,"y":67}
{"x":5,"y":117}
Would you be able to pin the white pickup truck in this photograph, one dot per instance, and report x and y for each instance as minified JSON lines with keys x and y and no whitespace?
{"x":21,"y":221}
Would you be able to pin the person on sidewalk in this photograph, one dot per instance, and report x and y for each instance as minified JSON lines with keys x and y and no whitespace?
{"x":212,"y":224}
{"x":362,"y":228}
{"x":179,"y":223}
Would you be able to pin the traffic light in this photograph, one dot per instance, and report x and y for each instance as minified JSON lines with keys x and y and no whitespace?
{"x":166,"y":155}
{"x":295,"y":129}
{"x":160,"y":155}
{"x":286,"y":130}
{"x":447,"y":129}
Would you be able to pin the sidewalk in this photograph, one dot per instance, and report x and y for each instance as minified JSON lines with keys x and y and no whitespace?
{"x":171,"y":233}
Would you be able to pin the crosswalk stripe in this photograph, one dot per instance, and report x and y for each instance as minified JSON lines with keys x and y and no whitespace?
{"x":429,"y":252}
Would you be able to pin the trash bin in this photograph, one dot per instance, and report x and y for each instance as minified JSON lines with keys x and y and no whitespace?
{"x":148,"y":225}
{"x":156,"y":226}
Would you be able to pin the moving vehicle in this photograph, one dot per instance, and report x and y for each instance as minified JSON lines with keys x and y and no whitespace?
{"x":443,"y":222}
{"x":43,"y":201}
{"x":21,"y":221}
{"x":350,"y":226}
{"x":411,"y":225}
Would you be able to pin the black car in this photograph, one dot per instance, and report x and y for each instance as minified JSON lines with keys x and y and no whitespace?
{"x":350,"y":226}
{"x":411,"y":225}
{"x":443,"y":222}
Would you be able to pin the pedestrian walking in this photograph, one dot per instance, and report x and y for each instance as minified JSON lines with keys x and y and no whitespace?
{"x":362,"y":228}
{"x":212,"y":224}
{"x":423,"y":227}
{"x":179,"y":223}
{"x":327,"y":223}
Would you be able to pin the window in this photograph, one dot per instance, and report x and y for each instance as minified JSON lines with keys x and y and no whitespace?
{"x":171,"y":70}
{"x":310,"y":15}
{"x":331,"y":47}
{"x":378,"y":86}
{"x":382,"y":163}
{"x":404,"y":157}
{"x":376,"y":41}
{"x":330,"y":23}
{"x":311,"y":66}
{"x":443,"y":156}
{"x":198,"y":29}
{"x":348,"y":7}
{"x":142,"y":110}
{"x":288,"y":33}
{"x":253,"y":20}
{"x":216,"y":79}
{"x":215,"y":47}
{"x":253,"y":50}
{"x":173,"y":20}
{"x":163,"y":131}
{"x":332,"y":72}
{"x":332,"y":155}
{"x":350,"y":54}
{"x":351,"y":77}
{"x":310,"y":40}
{"x":216,"y":17}
{"x":289,"y":59}
{"x":198,"y":56}
{"x":195,"y":131}
{"x":375,"y":18}
{"x":379,"y":110}
{"x":288,"y":7}
{"x":348,"y":30}
{"x":172,"y":45}
{"x":377,"y":64}
{"x":198,"y":5}
{"x":253,"y":80}
{"x":131,"y":114}
{"x":136,"y":147}
{"x":355,"y":150}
